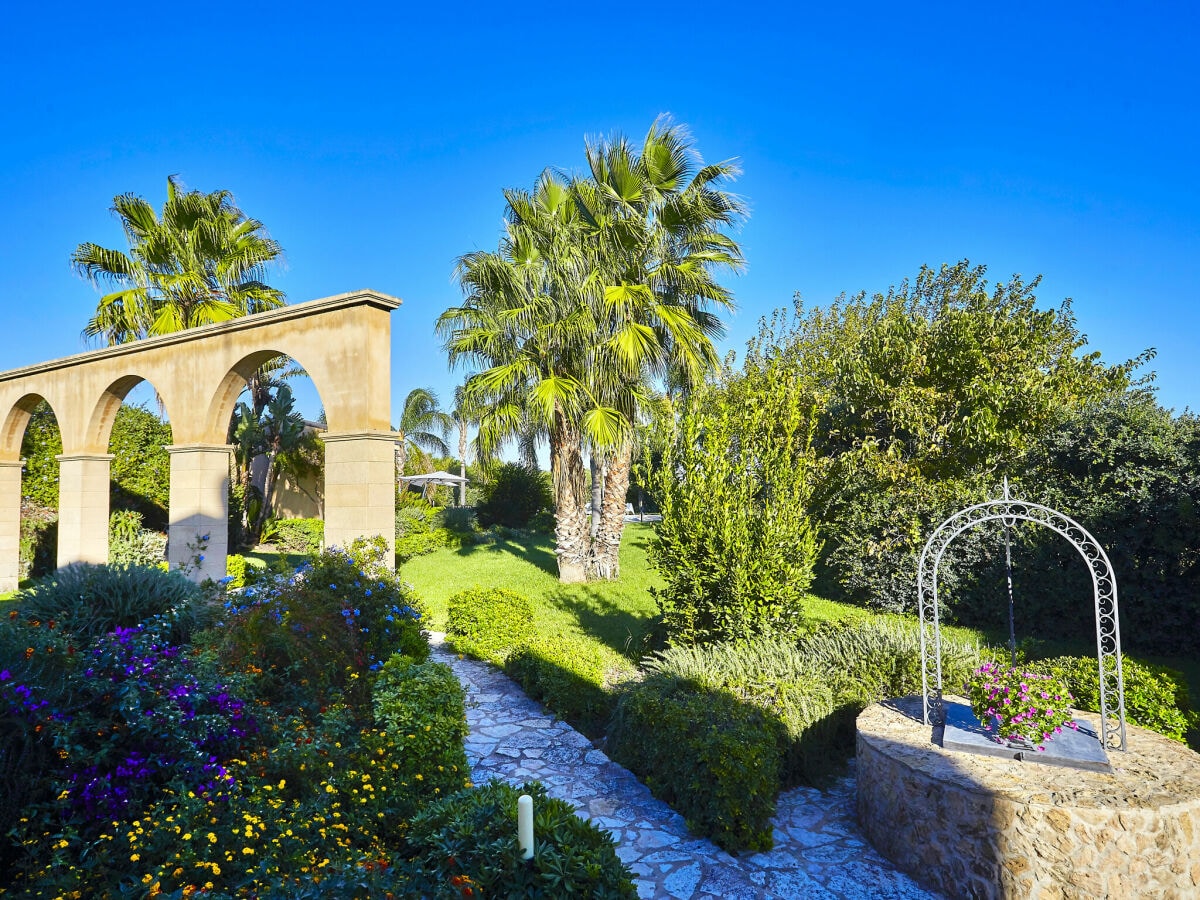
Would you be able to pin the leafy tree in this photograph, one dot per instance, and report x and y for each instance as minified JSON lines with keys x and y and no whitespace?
{"x":734,"y":482}
{"x":141,"y":466}
{"x":927,"y":395}
{"x":1129,"y":472}
{"x":423,"y":429}
{"x":512,"y":496}
{"x":201,"y":261}
{"x":600,"y":284}
{"x":40,"y":448}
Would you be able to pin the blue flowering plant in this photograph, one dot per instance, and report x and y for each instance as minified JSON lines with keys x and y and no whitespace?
{"x":317,"y":636}
{"x":1019,"y":707}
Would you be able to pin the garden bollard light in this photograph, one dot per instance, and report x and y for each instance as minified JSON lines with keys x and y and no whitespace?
{"x":525,"y":825}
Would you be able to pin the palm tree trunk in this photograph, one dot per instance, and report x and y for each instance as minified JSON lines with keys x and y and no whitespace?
{"x":606,"y":548}
{"x":268,"y":487}
{"x":597,"y":470}
{"x":462,"y":461}
{"x":570,"y":502}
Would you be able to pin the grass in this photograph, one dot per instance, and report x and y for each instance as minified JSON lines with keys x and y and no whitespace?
{"x":613,"y":615}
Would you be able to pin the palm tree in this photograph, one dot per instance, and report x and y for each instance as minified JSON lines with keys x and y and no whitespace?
{"x":656,"y":222}
{"x":600,"y":285}
{"x":202,"y":261}
{"x":465,"y":414}
{"x":423,"y":428}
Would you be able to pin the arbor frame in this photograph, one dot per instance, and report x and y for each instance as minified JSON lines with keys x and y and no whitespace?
{"x":1104,"y":590}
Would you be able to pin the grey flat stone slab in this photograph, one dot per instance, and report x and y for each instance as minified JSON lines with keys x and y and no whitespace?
{"x":1076,"y":749}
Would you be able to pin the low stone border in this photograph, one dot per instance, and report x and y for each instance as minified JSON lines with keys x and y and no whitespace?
{"x":983,"y":827}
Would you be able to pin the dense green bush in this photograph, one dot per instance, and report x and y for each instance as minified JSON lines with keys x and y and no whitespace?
{"x":489,"y":623}
{"x":568,"y":677}
{"x":39,"y":540}
{"x":713,"y":757}
{"x":466,"y":845}
{"x":422,"y":706}
{"x":513,"y":495}
{"x":87,"y":601}
{"x":235,"y":571}
{"x":775,"y":676}
{"x":735,"y":545}
{"x":295,"y":535}
{"x":1155,"y":697}
{"x":313,"y":638}
{"x":419,"y":527}
{"x":132,"y":545}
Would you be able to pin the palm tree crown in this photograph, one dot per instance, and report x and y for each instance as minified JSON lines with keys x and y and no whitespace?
{"x":201,"y":261}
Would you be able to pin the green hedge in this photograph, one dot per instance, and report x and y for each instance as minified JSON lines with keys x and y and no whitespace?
{"x":295,"y":535}
{"x":1155,"y":697}
{"x":713,"y":757}
{"x":568,"y":677}
{"x":466,"y":846}
{"x":489,"y":623}
{"x":422,"y":705}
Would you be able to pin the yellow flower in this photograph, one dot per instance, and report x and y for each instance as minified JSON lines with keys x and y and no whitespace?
{"x":188,"y":836}
{"x":249,"y":851}
{"x":135,"y":857}
{"x":212,"y":838}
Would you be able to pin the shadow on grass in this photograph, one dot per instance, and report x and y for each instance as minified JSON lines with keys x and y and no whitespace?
{"x":535,"y":549}
{"x":606,"y":620}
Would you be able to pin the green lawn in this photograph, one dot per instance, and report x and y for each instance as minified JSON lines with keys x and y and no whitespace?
{"x":614,"y":614}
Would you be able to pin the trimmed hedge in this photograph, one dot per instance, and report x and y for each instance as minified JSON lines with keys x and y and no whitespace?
{"x":713,"y":757}
{"x":489,"y":623}
{"x":421,"y":704}
{"x":466,"y":846}
{"x":1155,"y":697}
{"x":568,"y":677}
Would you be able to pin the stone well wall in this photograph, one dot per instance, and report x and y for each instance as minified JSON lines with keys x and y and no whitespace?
{"x":984,"y":827}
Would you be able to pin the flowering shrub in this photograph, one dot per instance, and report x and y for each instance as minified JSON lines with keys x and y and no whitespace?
{"x":1019,"y":706}
{"x":316,"y":636}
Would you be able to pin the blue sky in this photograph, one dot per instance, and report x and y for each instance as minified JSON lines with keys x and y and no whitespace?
{"x":374,"y":142}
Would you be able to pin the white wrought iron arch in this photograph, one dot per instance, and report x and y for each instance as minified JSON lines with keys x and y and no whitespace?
{"x":1104,"y":588}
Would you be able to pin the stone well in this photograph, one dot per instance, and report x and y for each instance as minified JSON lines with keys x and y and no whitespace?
{"x":983,"y":827}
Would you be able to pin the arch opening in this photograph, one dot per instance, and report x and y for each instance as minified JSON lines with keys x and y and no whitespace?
{"x":33,"y":428}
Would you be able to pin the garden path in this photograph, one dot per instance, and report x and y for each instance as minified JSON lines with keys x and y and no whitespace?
{"x":819,"y":849}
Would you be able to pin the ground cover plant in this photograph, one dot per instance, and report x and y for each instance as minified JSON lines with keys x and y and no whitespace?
{"x":282,"y":750}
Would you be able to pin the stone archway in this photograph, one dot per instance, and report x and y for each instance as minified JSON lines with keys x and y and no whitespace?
{"x":345,"y":344}
{"x":1104,"y":589}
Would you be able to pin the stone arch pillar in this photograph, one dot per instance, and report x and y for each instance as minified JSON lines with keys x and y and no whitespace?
{"x":360,"y":486}
{"x":198,"y":537}
{"x":10,"y":525}
{"x":83,"y":488}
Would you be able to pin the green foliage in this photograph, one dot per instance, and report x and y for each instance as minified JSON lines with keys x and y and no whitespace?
{"x":421,"y":705}
{"x":1129,"y":472}
{"x":466,"y":845}
{"x":489,"y":623}
{"x":568,"y":676}
{"x":313,"y":638}
{"x":1155,"y":697}
{"x":513,"y":495}
{"x":39,"y":540}
{"x":735,"y":544}
{"x":131,"y":544}
{"x":235,"y":570}
{"x":925,"y":396}
{"x":40,"y":448}
{"x":295,"y":535}
{"x":86,"y":600}
{"x":712,"y":757}
{"x":419,"y":527}
{"x":141,"y":466}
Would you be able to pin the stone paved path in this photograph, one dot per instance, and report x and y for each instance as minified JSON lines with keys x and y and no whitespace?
{"x":819,"y":851}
